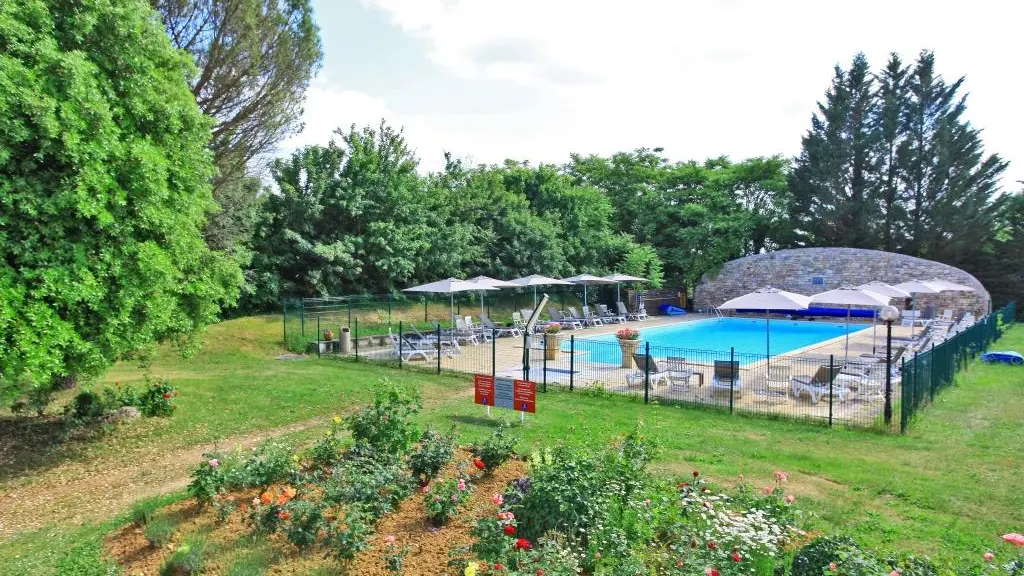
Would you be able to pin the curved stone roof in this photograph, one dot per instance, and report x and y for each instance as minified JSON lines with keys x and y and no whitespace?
{"x":813,"y":270}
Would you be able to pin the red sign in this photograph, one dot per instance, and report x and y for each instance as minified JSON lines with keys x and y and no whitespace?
{"x":525,"y":394}
{"x":483,"y":389}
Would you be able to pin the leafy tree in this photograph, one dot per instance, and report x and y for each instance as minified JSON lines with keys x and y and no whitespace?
{"x":254,"y":61}
{"x":834,"y":179}
{"x":104,"y":189}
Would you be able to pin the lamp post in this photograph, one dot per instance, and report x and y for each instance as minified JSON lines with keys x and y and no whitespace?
{"x":889,"y":314}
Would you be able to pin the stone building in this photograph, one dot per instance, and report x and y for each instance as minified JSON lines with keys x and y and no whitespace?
{"x":813,"y":270}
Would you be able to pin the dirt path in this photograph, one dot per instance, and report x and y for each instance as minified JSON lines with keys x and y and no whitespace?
{"x":80,"y":492}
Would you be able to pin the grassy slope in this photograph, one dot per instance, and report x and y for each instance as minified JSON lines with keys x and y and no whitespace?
{"x":947,"y":489}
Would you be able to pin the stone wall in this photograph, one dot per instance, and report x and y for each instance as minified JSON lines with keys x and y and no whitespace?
{"x":813,"y":270}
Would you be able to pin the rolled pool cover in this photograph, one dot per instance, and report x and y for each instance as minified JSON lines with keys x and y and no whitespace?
{"x":670,"y":310}
{"x":1003,"y":357}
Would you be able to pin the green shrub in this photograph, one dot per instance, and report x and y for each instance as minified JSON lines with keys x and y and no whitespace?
{"x":188,"y":559}
{"x":141,"y":514}
{"x":370,"y":485}
{"x":911,"y":565}
{"x":269,"y":463}
{"x":114,"y":398}
{"x":87,"y":406}
{"x":567,"y":495}
{"x":38,"y":398}
{"x":435,"y":450}
{"x":208,"y":478}
{"x":158,"y":531}
{"x":816,"y":556}
{"x":496,"y":449}
{"x":349,"y":534}
{"x":326,"y":452}
{"x":386,"y":426}
{"x":305,"y":520}
{"x":443,"y":499}
{"x":158,"y":399}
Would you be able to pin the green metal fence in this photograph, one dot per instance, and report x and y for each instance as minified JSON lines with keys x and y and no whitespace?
{"x":927,"y":373}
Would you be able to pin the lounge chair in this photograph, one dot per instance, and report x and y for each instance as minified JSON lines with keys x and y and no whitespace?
{"x":776,"y":384}
{"x":587,"y":320}
{"x":818,"y":385}
{"x":407,"y":350}
{"x":463,"y":333}
{"x":682,"y":373}
{"x":493,"y":328}
{"x":524,"y":315}
{"x":570,"y":323}
{"x":479,"y":330}
{"x":640,"y":313}
{"x":607,"y":315}
{"x":726,"y":379}
{"x":658,"y":373}
{"x":589,"y":316}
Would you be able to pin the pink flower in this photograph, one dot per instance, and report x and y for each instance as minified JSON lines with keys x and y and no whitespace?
{"x":894,"y":573}
{"x":425,"y":489}
{"x":462,"y":485}
{"x":390,"y":539}
{"x":214,"y":463}
{"x":781,"y":476}
{"x":989,"y":556}
{"x":1014,"y":538}
{"x":768,"y":489}
{"x":790,"y":499}
{"x":255,"y":501}
{"x":832,"y":566}
{"x":647,"y":501}
{"x":497,"y":499}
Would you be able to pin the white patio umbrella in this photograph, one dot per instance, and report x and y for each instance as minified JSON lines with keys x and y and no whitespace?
{"x":885,"y":289}
{"x":538,"y":280}
{"x":619,"y":279}
{"x":587,"y":280}
{"x":492,"y":283}
{"x":917,"y":287}
{"x":851,"y":296}
{"x":768,"y":299}
{"x":946,"y":286}
{"x":449,"y":286}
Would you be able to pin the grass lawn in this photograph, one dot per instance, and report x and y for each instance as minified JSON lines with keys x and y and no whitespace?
{"x":947,"y":489}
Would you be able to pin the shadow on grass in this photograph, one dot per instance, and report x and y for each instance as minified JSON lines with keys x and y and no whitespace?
{"x":29,"y":443}
{"x":485,"y":422}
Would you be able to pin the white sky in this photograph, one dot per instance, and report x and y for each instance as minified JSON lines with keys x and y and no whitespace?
{"x":535,"y":80}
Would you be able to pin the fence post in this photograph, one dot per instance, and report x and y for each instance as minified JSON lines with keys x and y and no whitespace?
{"x":831,"y":377}
{"x":544,"y":363}
{"x":494,"y":352}
{"x":572,"y":360}
{"x":401,"y":341}
{"x":647,"y":371}
{"x":931,"y":383}
{"x":439,"y":347}
{"x":425,"y":311}
{"x":732,"y":375}
{"x":389,"y":310}
{"x":356,"y":335}
{"x":302,"y":317}
{"x":284,"y":309}
{"x":317,"y":335}
{"x":348,"y":304}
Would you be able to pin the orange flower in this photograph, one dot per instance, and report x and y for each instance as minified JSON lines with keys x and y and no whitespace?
{"x":290,"y":492}
{"x":266,"y":498}
{"x":282,"y":500}
{"x":284,"y":514}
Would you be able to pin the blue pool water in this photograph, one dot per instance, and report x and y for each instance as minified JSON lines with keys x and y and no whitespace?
{"x":745,"y":335}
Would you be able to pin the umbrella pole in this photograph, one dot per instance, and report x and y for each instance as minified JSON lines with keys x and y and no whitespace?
{"x":874,"y":323}
{"x":768,"y":338}
{"x":481,"y":303}
{"x":617,"y":297}
{"x":846,"y":348}
{"x":535,"y":297}
{"x":451,"y":295}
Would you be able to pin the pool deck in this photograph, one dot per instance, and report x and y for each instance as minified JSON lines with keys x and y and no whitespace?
{"x":861,"y":405}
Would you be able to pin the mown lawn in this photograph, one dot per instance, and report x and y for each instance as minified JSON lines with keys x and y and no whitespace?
{"x":947,"y":489}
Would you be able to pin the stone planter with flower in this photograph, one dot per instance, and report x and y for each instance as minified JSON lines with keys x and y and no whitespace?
{"x":629,"y":342}
{"x":552,"y":341}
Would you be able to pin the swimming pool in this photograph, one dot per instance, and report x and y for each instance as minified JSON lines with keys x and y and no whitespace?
{"x":745,"y":335}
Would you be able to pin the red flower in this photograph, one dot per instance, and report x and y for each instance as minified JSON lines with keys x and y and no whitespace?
{"x":711,"y":572}
{"x":479,"y":464}
{"x":499,"y":566}
{"x":284,"y":515}
{"x":539,"y":572}
{"x":712,"y":545}
{"x":696,"y":473}
{"x":510,"y":530}
{"x":682,"y":485}
{"x":736,"y":557}
{"x":167,"y":395}
{"x":522,"y":544}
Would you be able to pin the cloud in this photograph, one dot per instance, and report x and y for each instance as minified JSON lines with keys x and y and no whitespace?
{"x":700,"y":78}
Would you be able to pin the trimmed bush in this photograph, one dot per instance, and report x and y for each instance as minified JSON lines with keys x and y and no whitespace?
{"x":816,"y":556}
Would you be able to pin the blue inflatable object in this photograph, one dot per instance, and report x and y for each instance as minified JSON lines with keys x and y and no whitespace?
{"x":1003,"y":357}
{"x":669,"y":310}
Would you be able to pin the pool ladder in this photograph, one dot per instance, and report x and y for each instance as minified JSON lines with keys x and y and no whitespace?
{"x":718,"y":314}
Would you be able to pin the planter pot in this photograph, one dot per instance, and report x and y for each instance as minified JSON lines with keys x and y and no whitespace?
{"x":552,"y":346}
{"x":628,"y":347}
